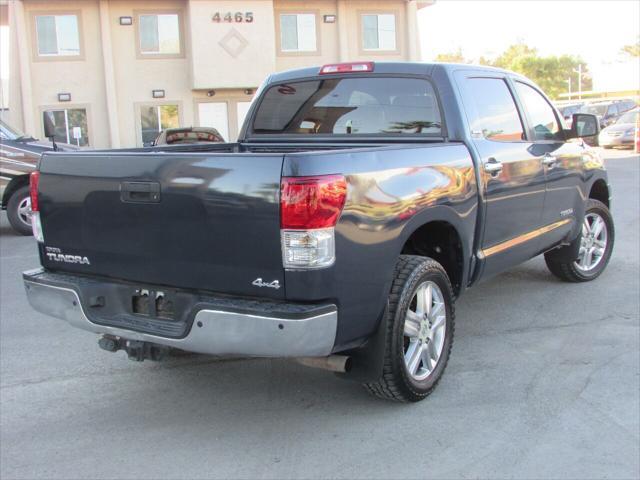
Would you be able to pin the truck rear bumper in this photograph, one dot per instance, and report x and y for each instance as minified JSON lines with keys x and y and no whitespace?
{"x":250,"y":328}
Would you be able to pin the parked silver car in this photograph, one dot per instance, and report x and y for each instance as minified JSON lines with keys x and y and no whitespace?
{"x":621,"y":133}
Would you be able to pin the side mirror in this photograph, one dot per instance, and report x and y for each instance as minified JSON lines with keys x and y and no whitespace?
{"x":49,"y":123}
{"x":584,"y":125}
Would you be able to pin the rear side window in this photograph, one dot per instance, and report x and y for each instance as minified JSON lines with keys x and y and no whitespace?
{"x":350,"y":106}
{"x":497,"y":116}
{"x":541,"y":115}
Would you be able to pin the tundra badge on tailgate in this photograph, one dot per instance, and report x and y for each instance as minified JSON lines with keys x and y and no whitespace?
{"x":56,"y":255}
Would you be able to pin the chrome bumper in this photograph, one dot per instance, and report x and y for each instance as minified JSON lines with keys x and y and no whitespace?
{"x":213,"y":331}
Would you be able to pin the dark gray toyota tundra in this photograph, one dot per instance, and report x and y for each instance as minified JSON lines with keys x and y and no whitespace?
{"x":360,"y":201}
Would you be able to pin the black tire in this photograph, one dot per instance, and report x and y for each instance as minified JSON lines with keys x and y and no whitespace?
{"x":565,"y":268}
{"x":13,"y":205}
{"x":396,"y":383}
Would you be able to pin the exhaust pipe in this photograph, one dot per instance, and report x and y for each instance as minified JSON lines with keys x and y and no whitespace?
{"x":333,"y":363}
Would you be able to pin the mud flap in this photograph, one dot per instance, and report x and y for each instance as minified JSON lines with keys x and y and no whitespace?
{"x":367,"y":361}
{"x":567,"y":253}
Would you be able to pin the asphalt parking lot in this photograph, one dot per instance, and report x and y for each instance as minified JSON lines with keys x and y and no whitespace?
{"x":543,"y":382}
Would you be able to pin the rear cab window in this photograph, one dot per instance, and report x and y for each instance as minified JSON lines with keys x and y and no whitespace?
{"x":350,"y":106}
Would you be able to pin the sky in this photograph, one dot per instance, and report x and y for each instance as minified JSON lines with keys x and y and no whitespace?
{"x":592,"y":29}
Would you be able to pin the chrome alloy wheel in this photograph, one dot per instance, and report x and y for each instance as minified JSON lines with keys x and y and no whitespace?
{"x":593,"y":243}
{"x":424,"y":330}
{"x":24,"y":211}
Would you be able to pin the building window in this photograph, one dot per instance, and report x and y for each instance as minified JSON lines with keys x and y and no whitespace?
{"x":58,"y":35}
{"x":71,"y":126}
{"x":379,"y":31}
{"x":298,"y":32}
{"x":156,"y":118}
{"x":159,"y":34}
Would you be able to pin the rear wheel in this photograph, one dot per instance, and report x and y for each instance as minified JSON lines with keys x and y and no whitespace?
{"x":594,"y":252}
{"x":19,"y":211}
{"x":420,"y":324}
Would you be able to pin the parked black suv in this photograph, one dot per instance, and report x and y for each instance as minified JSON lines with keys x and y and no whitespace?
{"x":19,"y":155}
{"x":608,"y":111}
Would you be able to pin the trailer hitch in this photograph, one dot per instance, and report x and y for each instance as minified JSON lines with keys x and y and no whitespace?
{"x":136,"y":350}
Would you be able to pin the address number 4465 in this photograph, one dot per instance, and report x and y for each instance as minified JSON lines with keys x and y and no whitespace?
{"x":229,"y":17}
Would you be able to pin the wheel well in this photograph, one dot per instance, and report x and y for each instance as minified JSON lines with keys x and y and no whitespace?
{"x":440,"y":241}
{"x":14,"y":184}
{"x":600,"y":191}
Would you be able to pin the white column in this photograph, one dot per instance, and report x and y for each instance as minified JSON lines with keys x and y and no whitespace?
{"x":413,"y":38}
{"x":17,"y":13}
{"x":109,"y":75}
{"x":343,"y":32}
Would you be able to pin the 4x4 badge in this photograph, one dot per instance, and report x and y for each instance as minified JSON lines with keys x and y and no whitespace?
{"x":259,"y":283}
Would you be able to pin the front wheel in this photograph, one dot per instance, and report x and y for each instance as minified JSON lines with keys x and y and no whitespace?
{"x":19,"y":211}
{"x":596,"y":246}
{"x":420,"y":323}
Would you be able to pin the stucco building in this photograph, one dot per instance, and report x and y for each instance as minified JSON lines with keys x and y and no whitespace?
{"x":115,"y":72}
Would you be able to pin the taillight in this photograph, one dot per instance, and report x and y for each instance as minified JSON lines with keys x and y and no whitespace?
{"x":36,"y":225}
{"x":34,"y":180}
{"x":311,"y":202}
{"x":354,"y":67}
{"x":309,"y":210}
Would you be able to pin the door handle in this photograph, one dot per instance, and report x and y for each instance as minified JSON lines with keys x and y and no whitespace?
{"x":492,"y":166}
{"x":140,"y":192}
{"x":549,"y":160}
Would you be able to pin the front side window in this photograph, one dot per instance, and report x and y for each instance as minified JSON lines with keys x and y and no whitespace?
{"x":57,"y":35}
{"x":379,"y":32}
{"x":160,"y":34}
{"x":71,"y":126}
{"x":350,"y":106}
{"x":156,"y":118}
{"x":541,"y":115}
{"x":496,"y":113}
{"x":298,"y":32}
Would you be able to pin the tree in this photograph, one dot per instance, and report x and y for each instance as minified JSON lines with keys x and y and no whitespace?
{"x":452,"y":57}
{"x":514,"y":54}
{"x":632,"y":50}
{"x":551,"y":73}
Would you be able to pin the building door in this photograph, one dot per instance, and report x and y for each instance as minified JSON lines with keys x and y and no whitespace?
{"x":242,"y":109}
{"x":216,"y":115}
{"x":71,"y":126}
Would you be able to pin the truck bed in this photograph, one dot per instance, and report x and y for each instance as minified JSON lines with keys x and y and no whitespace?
{"x":190,"y":219}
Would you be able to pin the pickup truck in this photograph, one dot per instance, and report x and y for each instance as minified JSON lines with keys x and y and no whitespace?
{"x":359,"y":202}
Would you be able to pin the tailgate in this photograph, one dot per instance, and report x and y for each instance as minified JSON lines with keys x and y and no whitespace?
{"x":186,"y":220}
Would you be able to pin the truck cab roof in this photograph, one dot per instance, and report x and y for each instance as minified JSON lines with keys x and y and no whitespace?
{"x":396,"y":68}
